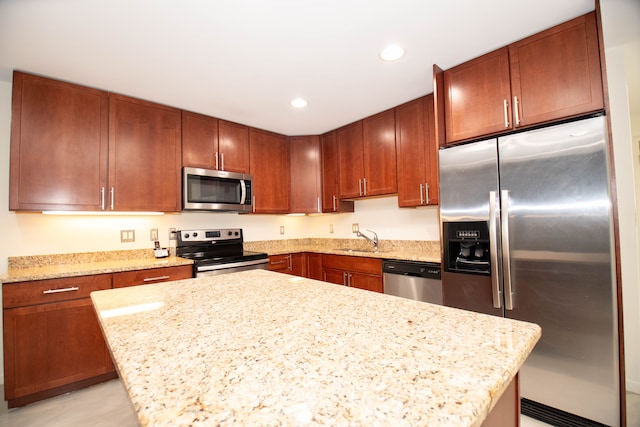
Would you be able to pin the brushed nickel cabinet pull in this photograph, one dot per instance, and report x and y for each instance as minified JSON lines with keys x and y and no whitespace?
{"x":365,"y":186}
{"x":101,"y":198}
{"x":421,"y":197}
{"x":335,"y":206}
{"x":515,"y":110}
{"x":216,"y":160}
{"x":360,"y":186}
{"x":57,"y":291}
{"x":426,"y":192}
{"x":506,"y":113}
{"x":221,"y":161}
{"x":113,"y":191}
{"x":152,"y":279}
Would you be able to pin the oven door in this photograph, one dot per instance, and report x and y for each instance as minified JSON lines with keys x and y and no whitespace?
{"x":212,"y":190}
{"x":231,"y":267}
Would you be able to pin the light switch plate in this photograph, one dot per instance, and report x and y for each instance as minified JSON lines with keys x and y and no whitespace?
{"x":127,"y":236}
{"x":355,"y":227}
{"x":282,"y":229}
{"x":153,"y":234}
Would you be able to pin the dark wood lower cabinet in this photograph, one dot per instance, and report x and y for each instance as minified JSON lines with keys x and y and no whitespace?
{"x":53,"y":343}
{"x":506,"y":412}
{"x":51,"y":347}
{"x":356,"y":272}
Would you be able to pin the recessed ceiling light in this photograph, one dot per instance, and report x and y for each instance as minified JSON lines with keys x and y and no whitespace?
{"x":299,"y":103}
{"x":392,"y":53}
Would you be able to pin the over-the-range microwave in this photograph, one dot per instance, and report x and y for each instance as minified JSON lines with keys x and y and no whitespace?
{"x":215,"y":190}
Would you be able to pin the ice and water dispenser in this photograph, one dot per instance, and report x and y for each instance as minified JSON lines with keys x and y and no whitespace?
{"x":466,"y":248}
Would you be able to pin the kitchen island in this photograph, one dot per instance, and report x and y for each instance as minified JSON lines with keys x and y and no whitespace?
{"x":263,"y":348}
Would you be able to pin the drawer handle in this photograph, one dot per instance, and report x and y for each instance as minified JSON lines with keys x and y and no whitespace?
{"x":278,"y":262}
{"x":152,"y":279}
{"x":57,"y":291}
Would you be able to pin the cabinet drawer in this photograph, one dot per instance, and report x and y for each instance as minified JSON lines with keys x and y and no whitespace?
{"x":281,"y":263}
{"x":151,"y":275}
{"x":353,"y":263}
{"x":52,"y":290}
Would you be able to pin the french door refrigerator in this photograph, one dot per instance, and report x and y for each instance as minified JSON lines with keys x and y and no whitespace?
{"x":527,"y":234}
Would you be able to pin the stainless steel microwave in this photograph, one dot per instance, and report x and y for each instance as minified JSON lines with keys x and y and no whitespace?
{"x":214,"y":190}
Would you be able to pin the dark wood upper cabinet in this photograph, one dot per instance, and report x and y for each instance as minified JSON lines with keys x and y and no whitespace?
{"x":269,"y":165}
{"x":350,"y":160}
{"x":367,"y":156}
{"x":417,"y":153}
{"x":556,"y":73}
{"x":233,"y":146}
{"x":211,"y":143}
{"x":59,"y":140}
{"x":379,"y":144}
{"x":477,"y":97}
{"x":552,"y":75}
{"x":331,"y":201}
{"x":144,"y":156}
{"x":199,"y":141}
{"x":305,"y":174}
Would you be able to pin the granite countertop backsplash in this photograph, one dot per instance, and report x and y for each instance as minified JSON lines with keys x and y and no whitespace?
{"x":410,"y":250}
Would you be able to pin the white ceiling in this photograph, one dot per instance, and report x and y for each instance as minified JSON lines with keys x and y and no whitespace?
{"x":244,"y":60}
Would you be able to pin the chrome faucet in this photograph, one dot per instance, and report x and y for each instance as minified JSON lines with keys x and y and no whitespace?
{"x":374,"y":240}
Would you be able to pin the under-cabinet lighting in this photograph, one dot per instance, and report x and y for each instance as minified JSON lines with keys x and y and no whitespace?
{"x":296,"y":214}
{"x":100,"y":213}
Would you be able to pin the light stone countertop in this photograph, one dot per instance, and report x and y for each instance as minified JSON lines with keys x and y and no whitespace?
{"x":259,"y":348}
{"x":42,"y":267}
{"x":410,"y":250}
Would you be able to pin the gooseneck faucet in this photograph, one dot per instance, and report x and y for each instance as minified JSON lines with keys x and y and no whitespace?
{"x":374,"y":240}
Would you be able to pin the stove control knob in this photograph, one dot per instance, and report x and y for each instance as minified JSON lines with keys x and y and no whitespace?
{"x":230,"y":233}
{"x":195,"y":234}
{"x":186,"y":235}
{"x":237,"y":233}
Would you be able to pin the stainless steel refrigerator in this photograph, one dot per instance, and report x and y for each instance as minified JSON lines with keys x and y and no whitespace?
{"x":527,"y":234}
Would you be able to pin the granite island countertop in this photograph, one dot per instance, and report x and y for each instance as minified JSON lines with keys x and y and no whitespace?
{"x":263,"y":348}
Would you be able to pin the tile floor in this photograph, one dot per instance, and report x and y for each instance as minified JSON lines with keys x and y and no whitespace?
{"x":107,"y":405}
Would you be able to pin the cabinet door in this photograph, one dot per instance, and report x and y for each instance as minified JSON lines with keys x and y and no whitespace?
{"x":233,"y":142}
{"x":379,"y":145}
{"x":332,"y":275}
{"x":59,"y":140}
{"x":151,"y":275}
{"x":368,"y":282}
{"x":477,"y":97}
{"x":315,"y":266}
{"x":331,"y":201}
{"x":299,"y":263}
{"x":305,"y":174}
{"x":556,"y":73}
{"x":350,"y":160}
{"x":144,"y":156}
{"x":199,"y":141}
{"x":52,"y":345}
{"x":417,"y":153}
{"x":269,"y":161}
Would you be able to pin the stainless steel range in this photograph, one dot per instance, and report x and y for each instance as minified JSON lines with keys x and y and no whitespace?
{"x":218,"y":251}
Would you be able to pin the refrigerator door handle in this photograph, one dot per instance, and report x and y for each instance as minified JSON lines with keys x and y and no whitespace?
{"x":493,"y":251}
{"x":506,"y":257}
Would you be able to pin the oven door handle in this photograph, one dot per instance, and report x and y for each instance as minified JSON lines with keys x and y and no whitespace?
{"x":232,"y":265}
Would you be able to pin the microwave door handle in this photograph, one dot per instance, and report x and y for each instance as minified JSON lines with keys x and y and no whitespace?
{"x":243,"y":192}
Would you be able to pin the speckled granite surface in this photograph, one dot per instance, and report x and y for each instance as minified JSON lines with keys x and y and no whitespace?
{"x":259,"y":348}
{"x":40,"y":267}
{"x":412,"y":250}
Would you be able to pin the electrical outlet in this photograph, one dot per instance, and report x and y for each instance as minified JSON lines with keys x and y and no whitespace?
{"x":153,"y":234}
{"x":127,"y":236}
{"x":330,"y":228}
{"x":173,"y":234}
{"x":355,"y":227}
{"x":282,"y":229}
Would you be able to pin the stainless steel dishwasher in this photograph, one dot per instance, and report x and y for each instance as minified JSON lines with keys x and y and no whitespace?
{"x":414,"y":280}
